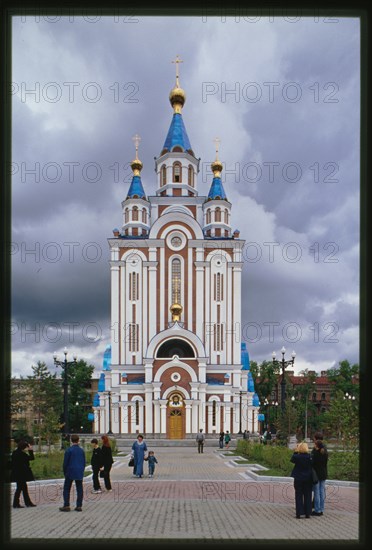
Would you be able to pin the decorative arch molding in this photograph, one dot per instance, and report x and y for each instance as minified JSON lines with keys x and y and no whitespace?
{"x":218,"y":252}
{"x":172,"y":389}
{"x":132,"y":252}
{"x":214,"y":398}
{"x":137,"y":398}
{"x":187,"y":219}
{"x":175,"y":332}
{"x":177,"y":208}
{"x":172,"y":364}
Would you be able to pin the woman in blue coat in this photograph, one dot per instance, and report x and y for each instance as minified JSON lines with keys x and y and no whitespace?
{"x":138,"y":452}
{"x":303,"y":480}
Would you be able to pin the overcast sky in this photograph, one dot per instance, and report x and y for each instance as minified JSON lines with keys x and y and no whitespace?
{"x":283,"y":97}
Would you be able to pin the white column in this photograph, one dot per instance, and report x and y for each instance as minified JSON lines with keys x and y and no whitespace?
{"x":163,"y":416}
{"x":152,"y":294}
{"x":162,"y":289}
{"x":116,"y":333}
{"x":188,"y":405}
{"x":227,"y":412}
{"x":202,"y":407}
{"x":236,"y":413}
{"x":123,"y":332}
{"x":200,"y":294}
{"x":156,"y":416}
{"x":230,"y":321}
{"x":148,"y":408}
{"x":145,"y":312}
{"x":190,"y":288}
{"x":237,"y":271}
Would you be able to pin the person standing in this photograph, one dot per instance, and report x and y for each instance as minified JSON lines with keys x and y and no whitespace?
{"x":319,"y":457}
{"x":227,"y":439}
{"x":21,"y":473}
{"x":107,"y":461}
{"x":303,"y":481}
{"x":200,"y":438}
{"x":139,"y":449}
{"x":222,"y":436}
{"x":152,"y":461}
{"x":97,"y":463}
{"x":73,"y":469}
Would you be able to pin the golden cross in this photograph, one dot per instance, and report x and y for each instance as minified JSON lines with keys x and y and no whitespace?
{"x":136,"y":139}
{"x":177,"y":61}
{"x":217,"y":142}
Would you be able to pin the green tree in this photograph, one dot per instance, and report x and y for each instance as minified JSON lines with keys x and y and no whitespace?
{"x":45,"y":393}
{"x":80,"y":379}
{"x":342,"y":378}
{"x":342,"y":421}
{"x":265,"y":378}
{"x":50,"y":427}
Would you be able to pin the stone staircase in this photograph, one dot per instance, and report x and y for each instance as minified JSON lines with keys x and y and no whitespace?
{"x":125,"y":444}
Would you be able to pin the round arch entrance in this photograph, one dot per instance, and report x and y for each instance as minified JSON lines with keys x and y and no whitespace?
{"x":176,"y":416}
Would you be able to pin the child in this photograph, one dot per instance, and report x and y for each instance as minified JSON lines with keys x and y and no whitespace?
{"x":152,"y":461}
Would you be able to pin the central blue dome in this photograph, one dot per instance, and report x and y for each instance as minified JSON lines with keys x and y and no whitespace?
{"x":177,"y":135}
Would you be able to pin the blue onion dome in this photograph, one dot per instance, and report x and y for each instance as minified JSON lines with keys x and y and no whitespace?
{"x":255,"y":400}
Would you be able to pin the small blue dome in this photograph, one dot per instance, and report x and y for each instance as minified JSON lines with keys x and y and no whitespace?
{"x":96,"y":400}
{"x":250,"y":383}
{"x":261,"y":417}
{"x":107,"y":358}
{"x":217,"y":191}
{"x":245,"y":357}
{"x":101,"y":382}
{"x":255,"y":400}
{"x":136,"y":189}
{"x":227,"y":375}
{"x":91,"y":416}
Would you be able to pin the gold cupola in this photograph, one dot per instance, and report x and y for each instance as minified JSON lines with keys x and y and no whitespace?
{"x":216,"y":165}
{"x":136,"y":164}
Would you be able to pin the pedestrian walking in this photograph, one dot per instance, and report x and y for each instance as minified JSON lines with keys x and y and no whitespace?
{"x":200,"y":438}
{"x":107,"y":461}
{"x":21,"y":473}
{"x":97,"y":465}
{"x":139,"y":449}
{"x":227,"y":439}
{"x":302,"y":474}
{"x":152,"y":461}
{"x":319,"y":457}
{"x":73,"y":469}
{"x":221,"y":439}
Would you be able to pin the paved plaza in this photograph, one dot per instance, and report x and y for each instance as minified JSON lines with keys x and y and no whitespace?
{"x":192,"y":496}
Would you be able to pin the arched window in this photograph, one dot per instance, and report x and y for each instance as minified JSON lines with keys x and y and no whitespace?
{"x":323,"y":396}
{"x":217,"y":215}
{"x":190,"y":176}
{"x":314,"y":396}
{"x":214,"y":410}
{"x":135,"y":213}
{"x":176,"y":281}
{"x":208,"y":217}
{"x":126,"y":215}
{"x":144,"y":215}
{"x":177,"y":172}
{"x":226,"y":216}
{"x":137,"y":412}
{"x":163,"y":175}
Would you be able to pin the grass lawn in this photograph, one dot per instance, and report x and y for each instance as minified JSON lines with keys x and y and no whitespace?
{"x":50,"y":466}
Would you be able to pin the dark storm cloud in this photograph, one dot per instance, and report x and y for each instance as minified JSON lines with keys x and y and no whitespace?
{"x":129,"y":64}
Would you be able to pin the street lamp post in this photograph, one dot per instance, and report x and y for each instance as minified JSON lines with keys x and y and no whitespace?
{"x":108,"y":393}
{"x":283,"y":365}
{"x":240,"y":393}
{"x":65,"y":365}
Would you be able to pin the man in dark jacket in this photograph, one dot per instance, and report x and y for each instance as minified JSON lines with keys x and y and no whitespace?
{"x":319,"y":457}
{"x":21,"y":472}
{"x":97,"y":464}
{"x":73,"y":468}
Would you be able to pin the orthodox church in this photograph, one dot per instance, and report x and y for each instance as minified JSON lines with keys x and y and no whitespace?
{"x":176,"y":363}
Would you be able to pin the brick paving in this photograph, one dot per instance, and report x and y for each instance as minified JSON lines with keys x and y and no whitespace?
{"x":192,"y":496}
